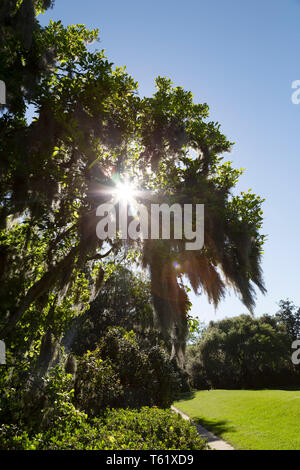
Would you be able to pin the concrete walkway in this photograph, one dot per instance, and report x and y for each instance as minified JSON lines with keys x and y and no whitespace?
{"x":214,"y":442}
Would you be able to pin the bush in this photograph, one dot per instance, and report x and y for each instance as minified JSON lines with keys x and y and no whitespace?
{"x":120,"y":373}
{"x":97,"y":385}
{"x":146,"y":374}
{"x":155,"y":428}
{"x":146,"y":429}
{"x":71,"y":413}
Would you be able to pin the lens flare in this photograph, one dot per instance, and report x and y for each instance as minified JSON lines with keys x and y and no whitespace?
{"x":124,"y":191}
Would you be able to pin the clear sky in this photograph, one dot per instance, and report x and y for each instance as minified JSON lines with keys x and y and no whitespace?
{"x":240,"y":57}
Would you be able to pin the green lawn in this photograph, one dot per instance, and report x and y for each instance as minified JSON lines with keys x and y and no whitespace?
{"x":248,"y":419}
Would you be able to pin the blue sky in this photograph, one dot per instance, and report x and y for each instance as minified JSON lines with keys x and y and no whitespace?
{"x":241,"y":58}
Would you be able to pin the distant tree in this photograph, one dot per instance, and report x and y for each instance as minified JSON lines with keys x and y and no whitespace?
{"x":289,"y":316}
{"x":242,"y":352}
{"x":196,"y":330}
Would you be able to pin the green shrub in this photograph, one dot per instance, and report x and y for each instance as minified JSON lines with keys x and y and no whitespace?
{"x":146,"y":429}
{"x":120,"y":373}
{"x":146,"y":374}
{"x":59,"y":410}
{"x":61,"y":425}
{"x":97,"y":385}
{"x":156,"y":428}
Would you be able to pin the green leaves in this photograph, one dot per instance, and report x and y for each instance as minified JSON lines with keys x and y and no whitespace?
{"x":242,"y":352}
{"x":144,"y":429}
{"x":90,"y":128}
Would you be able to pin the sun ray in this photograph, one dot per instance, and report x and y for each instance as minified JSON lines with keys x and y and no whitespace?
{"x":124,"y":191}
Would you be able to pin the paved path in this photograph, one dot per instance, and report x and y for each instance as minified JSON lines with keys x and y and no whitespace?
{"x":214,"y":442}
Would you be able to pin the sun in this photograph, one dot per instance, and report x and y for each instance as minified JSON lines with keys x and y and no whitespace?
{"x":124,"y":191}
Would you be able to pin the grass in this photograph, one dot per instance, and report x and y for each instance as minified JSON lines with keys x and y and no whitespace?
{"x":248,"y":419}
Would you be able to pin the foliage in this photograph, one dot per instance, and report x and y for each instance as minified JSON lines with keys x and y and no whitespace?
{"x":91,"y":129}
{"x":145,"y":429}
{"x":88,"y":130}
{"x":196,"y":330}
{"x":242,"y":352}
{"x":161,"y":429}
{"x":289,"y":316}
{"x":122,"y":372}
{"x":124,"y":300}
{"x":97,"y":385}
{"x":37,"y":400}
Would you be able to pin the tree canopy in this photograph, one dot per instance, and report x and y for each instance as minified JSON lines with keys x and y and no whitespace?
{"x":288,"y":315}
{"x":243,"y":352}
{"x":90,"y":128}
